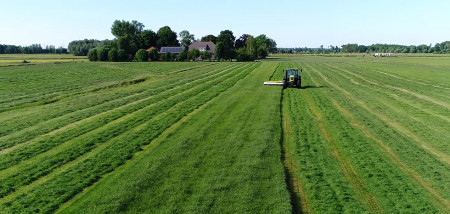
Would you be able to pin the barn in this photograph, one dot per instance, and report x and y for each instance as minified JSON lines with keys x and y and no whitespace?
{"x":174,"y":50}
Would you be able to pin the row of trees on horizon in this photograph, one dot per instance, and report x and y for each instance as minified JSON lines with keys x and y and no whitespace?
{"x":82,"y":47}
{"x":438,"y":48}
{"x":31,"y":49}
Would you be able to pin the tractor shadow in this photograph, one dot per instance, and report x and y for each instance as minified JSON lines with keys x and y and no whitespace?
{"x":313,"y":86}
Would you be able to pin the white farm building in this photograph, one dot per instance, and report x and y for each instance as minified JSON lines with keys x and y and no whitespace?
{"x":383,"y":54}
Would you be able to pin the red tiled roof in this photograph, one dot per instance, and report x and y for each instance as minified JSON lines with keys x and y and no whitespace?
{"x":151,"y":48}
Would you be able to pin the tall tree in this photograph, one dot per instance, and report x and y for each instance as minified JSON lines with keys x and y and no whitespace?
{"x":167,"y":37}
{"x":126,"y":28}
{"x":186,"y":38}
{"x":240,"y":43}
{"x":251,"y":46}
{"x":127,"y":44}
{"x":147,"y":38}
{"x":225,"y":45}
{"x":208,"y":38}
{"x":265,"y":45}
{"x":127,"y":34}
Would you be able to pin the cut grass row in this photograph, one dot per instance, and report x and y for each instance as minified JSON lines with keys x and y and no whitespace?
{"x":98,"y":121}
{"x":34,"y":85}
{"x":24,"y":128}
{"x":33,"y":59}
{"x":224,"y":159}
{"x":70,"y":106}
{"x":34,"y":166}
{"x":62,"y":187}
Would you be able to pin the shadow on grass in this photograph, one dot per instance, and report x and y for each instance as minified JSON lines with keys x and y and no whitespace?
{"x":272,"y":59}
{"x":313,"y":86}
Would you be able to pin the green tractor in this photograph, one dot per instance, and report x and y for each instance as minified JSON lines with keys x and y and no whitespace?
{"x":292,"y":78}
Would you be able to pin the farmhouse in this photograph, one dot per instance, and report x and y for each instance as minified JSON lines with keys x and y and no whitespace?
{"x":174,"y":50}
{"x":203,"y":46}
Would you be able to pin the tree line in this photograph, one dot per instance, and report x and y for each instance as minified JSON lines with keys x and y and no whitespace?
{"x":132,"y":40}
{"x":438,"y":48}
{"x":31,"y":49}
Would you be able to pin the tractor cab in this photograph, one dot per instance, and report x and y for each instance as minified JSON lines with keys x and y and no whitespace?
{"x":292,"y":78}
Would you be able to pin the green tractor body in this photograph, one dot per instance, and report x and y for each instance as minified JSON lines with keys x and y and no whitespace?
{"x":292,"y":78}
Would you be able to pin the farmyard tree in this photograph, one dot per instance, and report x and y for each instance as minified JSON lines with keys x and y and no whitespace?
{"x":125,"y":28}
{"x":153,"y":54}
{"x":92,"y":55}
{"x":127,"y":35}
{"x":240,"y":43}
{"x":113,"y":55}
{"x":225,"y":45}
{"x":102,"y":53}
{"x":208,"y":38}
{"x":265,"y":45}
{"x":186,"y":39}
{"x":183,"y":56}
{"x":141,"y":55}
{"x":123,"y":56}
{"x":147,"y":39}
{"x":167,"y":57}
{"x":167,"y":37}
{"x":206,"y":55}
{"x":193,"y":54}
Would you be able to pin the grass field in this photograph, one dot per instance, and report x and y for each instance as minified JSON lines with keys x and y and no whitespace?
{"x":364,"y":135}
{"x":35,"y":59}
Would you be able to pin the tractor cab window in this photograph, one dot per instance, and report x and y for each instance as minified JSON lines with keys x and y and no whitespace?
{"x":292,"y":72}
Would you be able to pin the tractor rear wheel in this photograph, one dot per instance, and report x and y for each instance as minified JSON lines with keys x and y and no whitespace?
{"x":284,"y":84}
{"x":299,"y":83}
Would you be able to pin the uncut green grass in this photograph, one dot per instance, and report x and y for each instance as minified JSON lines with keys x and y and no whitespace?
{"x":395,"y":190}
{"x":435,"y":132}
{"x":323,"y":181}
{"x":224,"y":159}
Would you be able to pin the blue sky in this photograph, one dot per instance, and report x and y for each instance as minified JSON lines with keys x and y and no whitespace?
{"x":290,"y":23}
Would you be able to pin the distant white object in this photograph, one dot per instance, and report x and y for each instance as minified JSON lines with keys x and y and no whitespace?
{"x":383,"y":54}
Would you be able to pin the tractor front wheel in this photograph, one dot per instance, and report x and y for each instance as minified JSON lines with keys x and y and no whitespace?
{"x":299,"y":83}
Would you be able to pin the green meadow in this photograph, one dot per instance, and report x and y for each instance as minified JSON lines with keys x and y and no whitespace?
{"x":363,"y":135}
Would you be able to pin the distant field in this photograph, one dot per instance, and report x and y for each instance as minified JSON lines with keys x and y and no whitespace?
{"x":33,"y":59}
{"x":364,"y":135}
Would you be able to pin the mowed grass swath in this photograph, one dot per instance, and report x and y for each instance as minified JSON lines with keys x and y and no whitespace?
{"x":47,"y":158}
{"x":363,"y":135}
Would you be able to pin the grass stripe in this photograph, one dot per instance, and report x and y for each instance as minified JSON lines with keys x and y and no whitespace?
{"x":52,"y":153}
{"x":8,"y":141}
{"x":162,"y":118}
